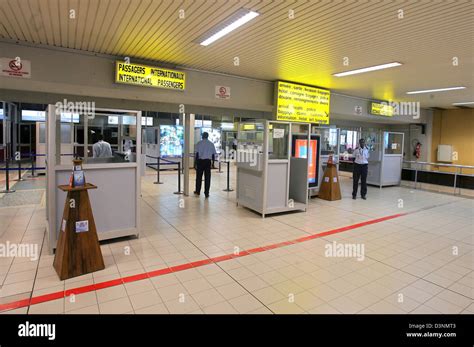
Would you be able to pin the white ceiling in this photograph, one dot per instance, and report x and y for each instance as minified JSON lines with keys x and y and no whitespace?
{"x":308,"y":48}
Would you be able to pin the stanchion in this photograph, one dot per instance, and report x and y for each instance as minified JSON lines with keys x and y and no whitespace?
{"x":33,"y":168}
{"x":7,"y":178}
{"x":158,"y":172}
{"x":228,"y":178}
{"x":19,"y":171}
{"x":179,"y":179}
{"x":220,"y":166}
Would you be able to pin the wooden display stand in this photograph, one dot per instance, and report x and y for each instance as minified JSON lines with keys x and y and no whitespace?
{"x":78,"y":249}
{"x":330,"y":189}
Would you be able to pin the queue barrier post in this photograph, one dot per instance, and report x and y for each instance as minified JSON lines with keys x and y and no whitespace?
{"x":158,"y":171}
{"x":19,"y":171}
{"x":228,"y":178}
{"x":179,"y":192}
{"x":7,"y":178}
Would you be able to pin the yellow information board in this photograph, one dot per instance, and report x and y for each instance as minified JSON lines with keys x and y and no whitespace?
{"x":301,"y":103}
{"x":381,"y":109}
{"x":149,"y":76}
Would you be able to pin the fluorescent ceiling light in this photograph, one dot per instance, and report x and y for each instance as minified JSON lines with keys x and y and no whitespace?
{"x":435,"y":90}
{"x":238,"y":19}
{"x":463,"y":103}
{"x":367,"y":69}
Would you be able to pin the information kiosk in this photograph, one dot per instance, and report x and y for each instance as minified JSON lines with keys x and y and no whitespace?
{"x":269,"y":178}
{"x":386,"y":157}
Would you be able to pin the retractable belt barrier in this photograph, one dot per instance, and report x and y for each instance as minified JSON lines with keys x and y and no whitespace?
{"x":166,"y":162}
{"x":7,"y":169}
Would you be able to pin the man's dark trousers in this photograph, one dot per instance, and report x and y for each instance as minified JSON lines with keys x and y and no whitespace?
{"x":203,"y":166}
{"x":360,"y":171}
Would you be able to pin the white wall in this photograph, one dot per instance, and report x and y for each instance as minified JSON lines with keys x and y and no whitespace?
{"x":58,"y":72}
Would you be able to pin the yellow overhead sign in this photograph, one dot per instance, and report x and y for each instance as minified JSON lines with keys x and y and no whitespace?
{"x":149,"y":76}
{"x":301,"y":103}
{"x":381,"y":109}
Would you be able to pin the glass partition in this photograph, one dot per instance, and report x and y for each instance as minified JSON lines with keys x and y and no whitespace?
{"x":328,"y":140}
{"x":392,"y":143}
{"x":105,"y":137}
{"x":278,"y":140}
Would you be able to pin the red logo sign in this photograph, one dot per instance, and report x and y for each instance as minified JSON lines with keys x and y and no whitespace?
{"x":222,"y":91}
{"x":15,"y":65}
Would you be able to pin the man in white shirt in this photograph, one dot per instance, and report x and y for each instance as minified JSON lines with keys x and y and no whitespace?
{"x":205,"y":152}
{"x":361,"y":164}
{"x":101,"y":149}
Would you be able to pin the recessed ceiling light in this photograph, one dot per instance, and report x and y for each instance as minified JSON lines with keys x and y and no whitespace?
{"x":435,"y":90}
{"x":367,"y":69}
{"x":463,"y":103}
{"x":238,"y":19}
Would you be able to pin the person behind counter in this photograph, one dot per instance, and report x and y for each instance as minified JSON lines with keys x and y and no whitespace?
{"x":361,"y":164}
{"x":205,"y":152}
{"x":101,"y":149}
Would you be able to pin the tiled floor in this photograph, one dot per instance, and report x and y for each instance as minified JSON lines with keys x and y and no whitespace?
{"x":421,"y":262}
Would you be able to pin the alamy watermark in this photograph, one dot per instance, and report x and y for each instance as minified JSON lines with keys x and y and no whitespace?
{"x":65,"y":107}
{"x":240,"y":154}
{"x":345,"y":250}
{"x":20,"y":250}
{"x":403,"y":108}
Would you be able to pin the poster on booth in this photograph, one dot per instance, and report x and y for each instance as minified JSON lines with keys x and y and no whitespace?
{"x":149,"y":76}
{"x":15,"y":67}
{"x":302,"y":103}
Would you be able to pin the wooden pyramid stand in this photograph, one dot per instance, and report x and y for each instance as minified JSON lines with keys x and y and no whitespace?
{"x":78,"y":249}
{"x":330,"y":189}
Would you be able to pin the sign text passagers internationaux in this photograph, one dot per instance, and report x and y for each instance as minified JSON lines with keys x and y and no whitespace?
{"x":301,"y":103}
{"x":149,"y":76}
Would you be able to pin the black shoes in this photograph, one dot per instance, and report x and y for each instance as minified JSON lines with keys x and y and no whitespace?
{"x":364,"y":198}
{"x":196,"y":193}
{"x":353,"y":197}
{"x":207,"y":196}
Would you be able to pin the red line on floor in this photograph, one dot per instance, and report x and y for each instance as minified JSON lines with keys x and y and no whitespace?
{"x":182,"y":267}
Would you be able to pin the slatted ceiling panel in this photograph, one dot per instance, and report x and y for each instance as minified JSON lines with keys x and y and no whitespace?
{"x":170,"y":28}
{"x":112,"y":33}
{"x":174,"y":32}
{"x":308,"y":48}
{"x":105,"y":27}
{"x":53,"y":20}
{"x":128,"y":16}
{"x":27,"y":20}
{"x":270,"y":34}
{"x":102,"y":16}
{"x":38,"y":21}
{"x":193,"y":48}
{"x":162,"y":18}
{"x":10,"y":21}
{"x":309,"y":28}
{"x":166,"y":14}
{"x":85,"y":22}
{"x":192,"y":26}
{"x":141,"y":25}
{"x":157,"y":24}
{"x":194,"y":10}
{"x":142,"y":11}
{"x":156,"y":28}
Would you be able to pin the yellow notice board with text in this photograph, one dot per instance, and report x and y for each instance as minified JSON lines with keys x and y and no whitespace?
{"x":301,"y":103}
{"x":381,"y":109}
{"x":149,"y":76}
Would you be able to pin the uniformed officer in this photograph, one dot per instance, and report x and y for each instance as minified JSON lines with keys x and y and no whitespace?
{"x":361,"y":164}
{"x":205,"y":152}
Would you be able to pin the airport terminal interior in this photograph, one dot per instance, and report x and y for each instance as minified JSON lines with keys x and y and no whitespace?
{"x":106,"y":106}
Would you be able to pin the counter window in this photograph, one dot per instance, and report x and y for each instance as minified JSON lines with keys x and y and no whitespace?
{"x":393,"y":143}
{"x":105,"y":137}
{"x":278,"y":141}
